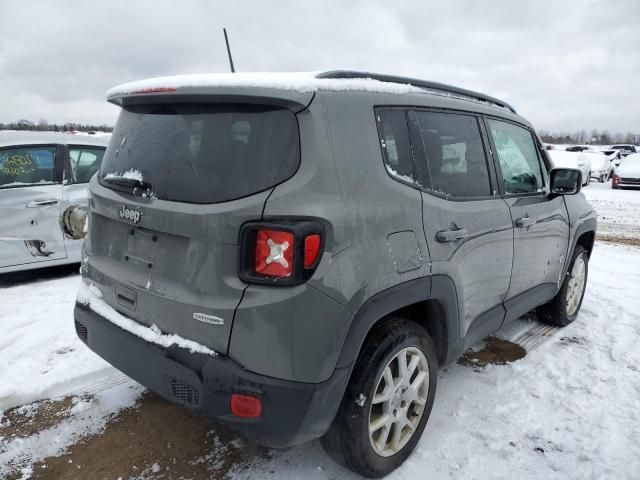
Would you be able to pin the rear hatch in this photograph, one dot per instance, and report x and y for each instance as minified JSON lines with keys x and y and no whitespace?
{"x":177,"y":182}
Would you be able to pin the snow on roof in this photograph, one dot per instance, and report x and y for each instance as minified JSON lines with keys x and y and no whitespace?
{"x":302,"y":82}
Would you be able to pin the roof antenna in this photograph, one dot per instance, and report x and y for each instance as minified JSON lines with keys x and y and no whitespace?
{"x":226,"y":39}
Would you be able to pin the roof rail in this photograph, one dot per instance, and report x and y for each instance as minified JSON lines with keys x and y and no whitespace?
{"x":441,"y":87}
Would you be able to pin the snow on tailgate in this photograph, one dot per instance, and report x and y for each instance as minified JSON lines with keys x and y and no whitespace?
{"x":91,"y":296}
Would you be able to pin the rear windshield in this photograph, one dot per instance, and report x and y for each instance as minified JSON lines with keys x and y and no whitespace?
{"x":204,"y":153}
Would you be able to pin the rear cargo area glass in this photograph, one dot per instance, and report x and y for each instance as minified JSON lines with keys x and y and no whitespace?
{"x":204,"y":153}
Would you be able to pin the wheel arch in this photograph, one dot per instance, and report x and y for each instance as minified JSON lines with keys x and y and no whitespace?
{"x":430,"y":302}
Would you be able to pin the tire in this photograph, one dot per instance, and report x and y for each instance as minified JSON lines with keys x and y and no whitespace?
{"x":586,"y":184}
{"x":565,"y":306}
{"x":603,"y":178}
{"x":348,"y":440}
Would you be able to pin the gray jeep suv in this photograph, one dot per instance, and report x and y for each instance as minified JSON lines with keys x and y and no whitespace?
{"x":294,"y":255}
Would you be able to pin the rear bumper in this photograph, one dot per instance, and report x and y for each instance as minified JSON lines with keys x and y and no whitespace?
{"x":292,"y":412}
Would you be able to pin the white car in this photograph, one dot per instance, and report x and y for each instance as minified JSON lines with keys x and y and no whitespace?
{"x":579,"y":160}
{"x":602,"y":163}
{"x":43,"y":176}
{"x":628,"y":173}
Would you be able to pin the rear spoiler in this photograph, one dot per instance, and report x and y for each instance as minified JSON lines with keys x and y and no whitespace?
{"x":291,"y":100}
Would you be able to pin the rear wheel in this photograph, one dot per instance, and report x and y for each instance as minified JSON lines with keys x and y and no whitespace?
{"x":388,"y":400}
{"x":603,"y":178}
{"x":564,"y":307}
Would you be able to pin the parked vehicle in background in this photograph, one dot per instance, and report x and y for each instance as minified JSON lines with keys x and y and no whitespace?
{"x":625,"y":149}
{"x":602,"y":163}
{"x":42,"y":175}
{"x":627,"y":174}
{"x":294,"y":255}
{"x":573,"y":159}
{"x":578,"y":148}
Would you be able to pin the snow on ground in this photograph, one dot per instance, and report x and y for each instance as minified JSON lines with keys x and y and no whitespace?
{"x":568,"y":409}
{"x":40,"y":354}
{"x":618,"y":210}
{"x":42,"y":358}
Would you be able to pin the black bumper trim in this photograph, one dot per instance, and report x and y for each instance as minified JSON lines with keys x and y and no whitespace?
{"x":292,"y":412}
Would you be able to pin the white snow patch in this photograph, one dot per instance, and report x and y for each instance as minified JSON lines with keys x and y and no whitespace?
{"x":397,"y":174}
{"x":131,"y":174}
{"x":91,"y":296}
{"x":40,"y":354}
{"x":288,"y":81}
{"x":568,"y":409}
{"x":618,"y":210}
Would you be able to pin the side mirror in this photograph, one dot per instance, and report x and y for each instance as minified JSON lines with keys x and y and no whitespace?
{"x":565,"y":181}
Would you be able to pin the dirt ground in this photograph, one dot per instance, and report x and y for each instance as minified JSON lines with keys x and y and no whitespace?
{"x":496,"y":352}
{"x":142,"y":443}
{"x":619,"y":239}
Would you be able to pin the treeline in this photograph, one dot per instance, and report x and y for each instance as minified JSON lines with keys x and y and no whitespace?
{"x":595,"y":137}
{"x":44,"y":126}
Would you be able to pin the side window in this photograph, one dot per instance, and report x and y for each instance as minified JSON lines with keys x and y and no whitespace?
{"x":518,"y":158}
{"x":26,"y":166}
{"x":394,"y":140}
{"x":84,"y":162}
{"x":452,"y":147}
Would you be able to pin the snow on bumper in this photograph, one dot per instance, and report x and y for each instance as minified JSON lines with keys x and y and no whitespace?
{"x":91,"y":296}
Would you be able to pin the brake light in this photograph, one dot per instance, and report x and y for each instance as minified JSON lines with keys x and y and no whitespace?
{"x":245,"y":406}
{"x":281,"y":252}
{"x":274,"y":253}
{"x":154,"y":90}
{"x":615,"y":178}
{"x":311,"y":249}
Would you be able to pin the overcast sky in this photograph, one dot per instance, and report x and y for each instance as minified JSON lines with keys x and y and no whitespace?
{"x":565,"y":65}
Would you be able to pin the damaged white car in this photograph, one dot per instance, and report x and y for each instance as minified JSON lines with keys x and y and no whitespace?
{"x":43,"y":180}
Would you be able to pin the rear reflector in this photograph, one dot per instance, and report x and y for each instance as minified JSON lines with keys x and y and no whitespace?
{"x":245,"y":406}
{"x":311,"y":249}
{"x":274,"y":253}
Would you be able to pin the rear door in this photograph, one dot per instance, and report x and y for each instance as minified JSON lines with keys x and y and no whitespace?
{"x":30,"y":202}
{"x":82,"y":163}
{"x":177,"y":182}
{"x":541,"y":222}
{"x":467,"y":225}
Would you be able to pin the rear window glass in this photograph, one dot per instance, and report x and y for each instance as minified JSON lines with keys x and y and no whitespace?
{"x":26,"y":166}
{"x":203,"y":153}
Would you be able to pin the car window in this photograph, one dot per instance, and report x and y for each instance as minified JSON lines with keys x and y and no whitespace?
{"x":518,"y":158}
{"x":451,"y":147}
{"x":203,"y":153}
{"x":394,"y":140}
{"x":26,"y":166}
{"x":84,"y":162}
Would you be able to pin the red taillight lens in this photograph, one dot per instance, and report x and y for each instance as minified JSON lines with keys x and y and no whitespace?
{"x":245,"y":406}
{"x":274,"y":253}
{"x":311,"y":249}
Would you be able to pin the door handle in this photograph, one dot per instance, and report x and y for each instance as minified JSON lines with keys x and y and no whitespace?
{"x":41,"y":203}
{"x":451,"y":235}
{"x":525,"y":222}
